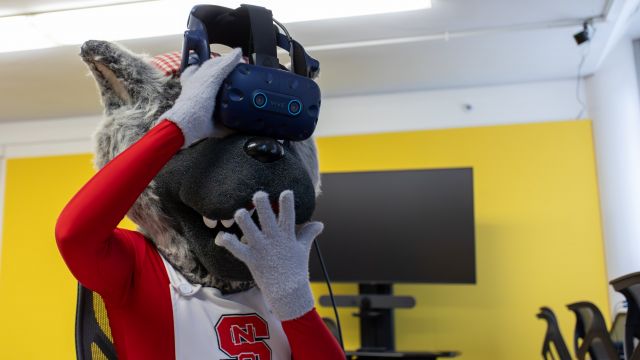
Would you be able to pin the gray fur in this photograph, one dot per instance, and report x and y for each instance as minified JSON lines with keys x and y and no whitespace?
{"x":135,"y":94}
{"x":151,"y":93}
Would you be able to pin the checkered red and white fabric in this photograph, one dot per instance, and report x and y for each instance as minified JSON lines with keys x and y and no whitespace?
{"x":169,"y":63}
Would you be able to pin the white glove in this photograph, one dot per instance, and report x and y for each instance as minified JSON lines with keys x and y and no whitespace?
{"x":277,"y":255}
{"x":193,"y":110}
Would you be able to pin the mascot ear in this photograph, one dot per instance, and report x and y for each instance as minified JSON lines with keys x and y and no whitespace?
{"x":124,"y":79}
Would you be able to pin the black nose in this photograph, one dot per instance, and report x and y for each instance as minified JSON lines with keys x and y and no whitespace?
{"x":264,"y":149}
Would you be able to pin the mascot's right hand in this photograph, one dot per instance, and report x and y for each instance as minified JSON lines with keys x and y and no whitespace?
{"x":193,"y":110}
{"x":277,"y":253}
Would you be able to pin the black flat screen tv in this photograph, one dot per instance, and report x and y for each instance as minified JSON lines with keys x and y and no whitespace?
{"x":413,"y":226}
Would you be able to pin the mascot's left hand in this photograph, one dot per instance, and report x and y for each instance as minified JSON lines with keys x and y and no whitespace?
{"x":277,"y":255}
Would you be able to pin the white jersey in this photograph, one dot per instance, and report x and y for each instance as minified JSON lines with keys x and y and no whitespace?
{"x":210,"y":325}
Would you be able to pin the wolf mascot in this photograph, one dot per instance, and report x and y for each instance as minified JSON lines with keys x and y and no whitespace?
{"x":218,"y":268}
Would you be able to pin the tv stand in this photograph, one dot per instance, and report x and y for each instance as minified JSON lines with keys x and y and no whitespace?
{"x":375,"y":303}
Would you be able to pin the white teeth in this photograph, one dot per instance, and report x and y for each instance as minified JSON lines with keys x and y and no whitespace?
{"x":227,"y":223}
{"x":210,"y":223}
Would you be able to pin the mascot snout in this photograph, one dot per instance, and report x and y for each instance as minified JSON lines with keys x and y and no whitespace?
{"x":204,"y":185}
{"x":210,"y":164}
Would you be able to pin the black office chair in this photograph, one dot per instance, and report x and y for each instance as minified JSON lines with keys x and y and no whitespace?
{"x":617,"y":332}
{"x":93,"y":335}
{"x":591,"y":335}
{"x":332,"y":326}
{"x":629,"y":286}
{"x":553,"y":337}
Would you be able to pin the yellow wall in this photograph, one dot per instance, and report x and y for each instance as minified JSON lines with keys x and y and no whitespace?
{"x":538,"y":240}
{"x":37,"y":292}
{"x":538,"y":234}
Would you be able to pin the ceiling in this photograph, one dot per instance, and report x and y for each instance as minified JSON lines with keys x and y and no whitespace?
{"x":13,"y":7}
{"x":457,"y":43}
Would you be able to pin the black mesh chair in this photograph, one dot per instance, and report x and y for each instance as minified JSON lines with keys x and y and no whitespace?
{"x":93,"y":335}
{"x":553,"y":337}
{"x":629,"y":286}
{"x":591,"y":335}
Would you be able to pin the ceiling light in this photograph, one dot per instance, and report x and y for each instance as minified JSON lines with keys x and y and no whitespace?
{"x":28,"y":38}
{"x":167,"y":17}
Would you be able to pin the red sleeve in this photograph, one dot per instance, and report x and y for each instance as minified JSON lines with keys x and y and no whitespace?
{"x":310,"y":339}
{"x":99,"y":255}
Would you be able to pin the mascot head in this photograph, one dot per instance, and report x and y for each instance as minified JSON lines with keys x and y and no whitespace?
{"x":198,"y":191}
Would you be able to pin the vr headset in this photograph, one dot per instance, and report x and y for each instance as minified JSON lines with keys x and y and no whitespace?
{"x":262,"y":97}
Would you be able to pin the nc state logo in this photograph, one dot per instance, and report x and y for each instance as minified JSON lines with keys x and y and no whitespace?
{"x":242,"y":337}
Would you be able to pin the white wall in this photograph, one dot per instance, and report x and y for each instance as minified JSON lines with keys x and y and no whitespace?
{"x":48,"y":137}
{"x":495,"y":105}
{"x":614,"y":104}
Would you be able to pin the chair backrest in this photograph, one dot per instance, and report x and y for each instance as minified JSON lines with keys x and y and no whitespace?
{"x":332,"y":326}
{"x":629,"y":286}
{"x":553,"y":337}
{"x":93,"y":335}
{"x":617,"y":332}
{"x":591,"y":335}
